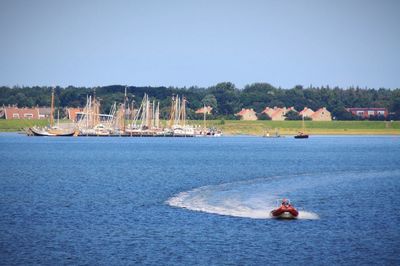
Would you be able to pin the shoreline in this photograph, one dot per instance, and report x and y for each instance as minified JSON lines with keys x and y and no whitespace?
{"x":259,"y":127}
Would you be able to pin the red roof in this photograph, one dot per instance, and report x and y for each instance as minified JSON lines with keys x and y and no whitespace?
{"x":244,"y":111}
{"x":305,"y":110}
{"x":203,"y":110}
{"x":21,"y":113}
{"x":366,"y":109}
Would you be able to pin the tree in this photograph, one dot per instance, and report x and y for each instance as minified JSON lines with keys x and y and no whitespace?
{"x":227,"y":97}
{"x":263,"y":116}
{"x":340,"y":113}
{"x":293,"y":115}
{"x":210,"y":100}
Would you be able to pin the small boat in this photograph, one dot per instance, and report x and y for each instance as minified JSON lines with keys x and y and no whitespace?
{"x":301,"y":135}
{"x":285,"y":211}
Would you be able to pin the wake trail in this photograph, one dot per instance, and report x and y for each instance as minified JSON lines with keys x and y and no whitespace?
{"x":231,"y":200}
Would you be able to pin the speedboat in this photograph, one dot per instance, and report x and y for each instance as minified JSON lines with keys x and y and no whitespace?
{"x":285,"y":211}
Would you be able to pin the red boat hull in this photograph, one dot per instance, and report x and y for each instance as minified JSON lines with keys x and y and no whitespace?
{"x":285,"y":212}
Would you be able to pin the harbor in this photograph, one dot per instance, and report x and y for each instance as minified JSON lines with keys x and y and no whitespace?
{"x":125,"y":120}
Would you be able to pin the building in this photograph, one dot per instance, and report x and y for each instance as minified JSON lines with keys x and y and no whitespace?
{"x":13,"y":112}
{"x":306,"y":112}
{"x":269,"y":111}
{"x":367,"y":112}
{"x":277,"y":113}
{"x":206,"y":109}
{"x":247,"y":114}
{"x":321,"y":115}
{"x":44,"y":112}
{"x":73,"y":112}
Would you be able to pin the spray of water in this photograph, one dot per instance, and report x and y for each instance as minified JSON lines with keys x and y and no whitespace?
{"x":241,"y":199}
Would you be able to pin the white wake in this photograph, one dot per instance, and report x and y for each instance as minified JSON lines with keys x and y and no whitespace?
{"x":242,"y":199}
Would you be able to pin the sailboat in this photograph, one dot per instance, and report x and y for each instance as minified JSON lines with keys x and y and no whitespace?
{"x":177,"y":122}
{"x":52,"y":131}
{"x":302,"y":134}
{"x":146,"y":122}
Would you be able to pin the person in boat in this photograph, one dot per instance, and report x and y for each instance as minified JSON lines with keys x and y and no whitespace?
{"x":285,"y":203}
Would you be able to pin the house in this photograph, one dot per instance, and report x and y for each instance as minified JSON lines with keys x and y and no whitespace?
{"x":306,"y":112}
{"x":13,"y":112}
{"x":367,"y":112}
{"x":277,"y":113}
{"x":321,"y":115}
{"x":72,"y":113}
{"x":269,"y":111}
{"x":247,"y":114}
{"x":44,"y":112}
{"x":206,"y":109}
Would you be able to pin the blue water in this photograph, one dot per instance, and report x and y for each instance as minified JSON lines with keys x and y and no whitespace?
{"x":176,"y":201}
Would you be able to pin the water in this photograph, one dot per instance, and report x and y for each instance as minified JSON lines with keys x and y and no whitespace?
{"x":165,"y":201}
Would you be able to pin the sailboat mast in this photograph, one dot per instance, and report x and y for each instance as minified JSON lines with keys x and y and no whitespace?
{"x":204,"y":117}
{"x":124,"y":112}
{"x":52,"y":109}
{"x":153,"y":116}
{"x":184,"y":111}
{"x":158,"y":115}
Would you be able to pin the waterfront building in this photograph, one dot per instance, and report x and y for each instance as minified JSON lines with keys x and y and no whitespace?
{"x":367,"y":112}
{"x":247,"y":114}
{"x":13,"y":112}
{"x":321,"y":114}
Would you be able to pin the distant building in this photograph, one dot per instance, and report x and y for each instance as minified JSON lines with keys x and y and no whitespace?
{"x":73,"y":112}
{"x":247,"y":114}
{"x":321,"y":115}
{"x":13,"y":112}
{"x":269,"y":111}
{"x":277,"y":113}
{"x":367,"y":112}
{"x":306,"y":112}
{"x":206,"y":109}
{"x":44,"y":112}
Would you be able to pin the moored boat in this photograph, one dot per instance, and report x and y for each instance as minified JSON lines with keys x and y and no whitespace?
{"x":301,"y":135}
{"x":51,"y":132}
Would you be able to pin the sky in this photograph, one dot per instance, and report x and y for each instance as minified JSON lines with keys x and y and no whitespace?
{"x":200,"y":43}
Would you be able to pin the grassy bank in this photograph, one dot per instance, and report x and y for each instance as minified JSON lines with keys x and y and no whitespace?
{"x":234,"y":127}
{"x":19,"y":125}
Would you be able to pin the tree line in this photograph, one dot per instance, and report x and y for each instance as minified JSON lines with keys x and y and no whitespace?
{"x":225,"y":98}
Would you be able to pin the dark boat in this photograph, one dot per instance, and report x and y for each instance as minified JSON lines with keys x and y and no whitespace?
{"x":301,"y":135}
{"x":285,"y":211}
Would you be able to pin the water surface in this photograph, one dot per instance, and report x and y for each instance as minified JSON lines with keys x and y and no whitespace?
{"x":191,"y":201}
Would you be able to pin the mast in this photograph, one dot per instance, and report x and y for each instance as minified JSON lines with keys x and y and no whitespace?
{"x":58,"y":117}
{"x":52,"y":109}
{"x":178,"y":109}
{"x":204,"y":117}
{"x":124,"y":111}
{"x":183,"y":112}
{"x":172,"y":112}
{"x":158,"y":115}
{"x":153,"y":115}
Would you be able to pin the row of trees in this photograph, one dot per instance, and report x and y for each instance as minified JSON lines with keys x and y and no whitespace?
{"x":225,"y":98}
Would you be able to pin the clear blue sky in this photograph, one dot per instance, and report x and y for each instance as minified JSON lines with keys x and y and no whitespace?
{"x":184,"y":43}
